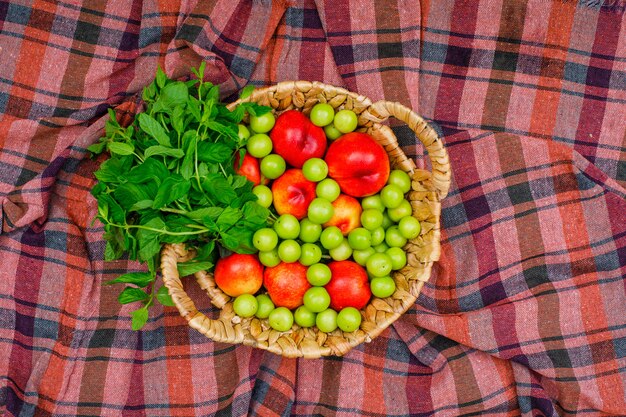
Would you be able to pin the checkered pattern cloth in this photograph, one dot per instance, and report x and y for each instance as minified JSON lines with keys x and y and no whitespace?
{"x":525,"y":314}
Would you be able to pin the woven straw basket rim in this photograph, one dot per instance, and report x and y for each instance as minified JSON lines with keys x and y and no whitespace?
{"x":427,"y":190}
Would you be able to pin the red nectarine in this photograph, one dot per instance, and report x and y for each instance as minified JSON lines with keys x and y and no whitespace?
{"x":358,"y":163}
{"x":249,"y":168}
{"x":348,"y":286}
{"x":286,"y":284}
{"x":297,"y":139}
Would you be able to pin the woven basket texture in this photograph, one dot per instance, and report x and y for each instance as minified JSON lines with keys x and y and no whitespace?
{"x":427,"y":190}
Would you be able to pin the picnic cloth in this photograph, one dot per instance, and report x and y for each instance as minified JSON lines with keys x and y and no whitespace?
{"x":525,"y":313}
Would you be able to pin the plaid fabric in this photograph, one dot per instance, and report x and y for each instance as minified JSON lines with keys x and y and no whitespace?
{"x":525,"y":312}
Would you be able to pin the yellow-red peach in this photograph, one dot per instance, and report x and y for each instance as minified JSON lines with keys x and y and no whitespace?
{"x":347,"y":214}
{"x":292,"y":193}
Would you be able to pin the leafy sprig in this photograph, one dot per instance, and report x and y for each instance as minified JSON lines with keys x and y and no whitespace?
{"x":170,"y":178}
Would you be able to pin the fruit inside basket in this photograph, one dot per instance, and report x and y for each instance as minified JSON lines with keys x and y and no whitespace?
{"x":353,"y":230}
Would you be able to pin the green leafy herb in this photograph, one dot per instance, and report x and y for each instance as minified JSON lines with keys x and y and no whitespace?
{"x":189,"y":268}
{"x":164,"y":297}
{"x":140,"y":279}
{"x":140,"y":317}
{"x":170,"y":178}
{"x":131,"y":294}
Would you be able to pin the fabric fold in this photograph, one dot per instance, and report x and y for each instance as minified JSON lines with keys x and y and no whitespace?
{"x":523,"y":314}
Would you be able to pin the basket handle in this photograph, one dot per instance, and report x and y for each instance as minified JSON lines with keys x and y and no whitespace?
{"x":426,"y":134}
{"x":217,"y":330}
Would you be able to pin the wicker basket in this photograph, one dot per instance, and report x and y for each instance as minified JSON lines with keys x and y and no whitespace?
{"x":427,"y":191}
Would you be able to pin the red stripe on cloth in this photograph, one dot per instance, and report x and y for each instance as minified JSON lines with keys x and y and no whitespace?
{"x":546,"y":103}
{"x":462,"y":20}
{"x":598,"y":82}
{"x":178,"y":372}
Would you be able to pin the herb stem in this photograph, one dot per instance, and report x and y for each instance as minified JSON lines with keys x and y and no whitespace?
{"x":165,"y":232}
{"x":173,"y":210}
{"x":161,"y":119}
{"x":223,"y":170}
{"x":195,"y":226}
{"x":138,"y":157}
{"x":197,"y":173}
{"x":180,"y":207}
{"x":195,"y":162}
{"x":151,"y":299}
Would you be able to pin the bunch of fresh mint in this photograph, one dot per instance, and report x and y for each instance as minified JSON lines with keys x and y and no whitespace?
{"x":171,"y":179}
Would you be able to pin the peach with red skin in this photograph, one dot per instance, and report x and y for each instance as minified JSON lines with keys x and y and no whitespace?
{"x":349,"y":285}
{"x":347,"y":214}
{"x":238,"y":274}
{"x":297,"y":139}
{"x":286,"y":284}
{"x":249,"y":168}
{"x":293,"y":193}
{"x":358,"y":163}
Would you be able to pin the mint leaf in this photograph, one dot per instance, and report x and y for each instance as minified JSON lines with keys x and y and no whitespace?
{"x":228,"y":131}
{"x":255,"y":213}
{"x":97,"y":148}
{"x":139,"y":318}
{"x":228,"y":218}
{"x":140,"y":279}
{"x":110,"y":171}
{"x":162,"y":150}
{"x":141,"y":205}
{"x":238,"y":239}
{"x":191,"y":267}
{"x":179,"y":224}
{"x":214,"y":152}
{"x":209,"y":223}
{"x":148,"y":238}
{"x":120,"y":148}
{"x":177,"y":119}
{"x":255,"y":109}
{"x":206,"y":252}
{"x":229,"y":241}
{"x":174,"y":94}
{"x":189,"y":143}
{"x":163,"y":297}
{"x":194,"y":108}
{"x":128,"y":194}
{"x":150,"y":169}
{"x":153,"y":128}
{"x":246,"y":91}
{"x":212,"y":94}
{"x":171,"y":189}
{"x":132,"y":294}
{"x":219,"y":189}
{"x":160,"y":78}
{"x":113,"y":211}
{"x":200,"y":72}
{"x":112,"y":251}
{"x":244,"y":198}
{"x":238,"y":181}
{"x":111,"y":128}
{"x":211,"y":212}
{"x":203,"y":169}
{"x":149,"y":92}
